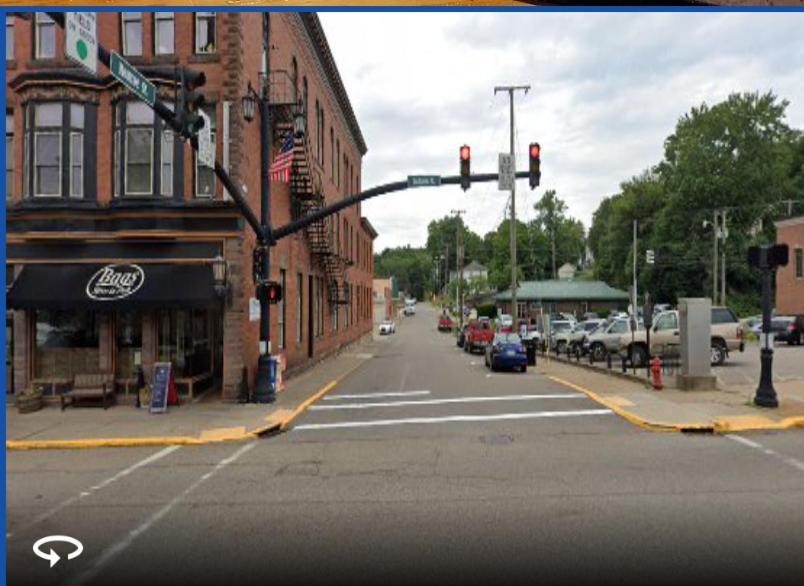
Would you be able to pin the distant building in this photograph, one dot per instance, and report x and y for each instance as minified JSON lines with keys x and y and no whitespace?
{"x":471,"y":272}
{"x":383,"y":296}
{"x":566,"y":272}
{"x":790,"y":279}
{"x":562,"y":296}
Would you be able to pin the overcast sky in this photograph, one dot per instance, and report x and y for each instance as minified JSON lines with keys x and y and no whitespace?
{"x":606,"y":90}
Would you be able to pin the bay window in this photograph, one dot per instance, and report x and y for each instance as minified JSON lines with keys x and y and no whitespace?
{"x":47,"y":149}
{"x":139,"y":149}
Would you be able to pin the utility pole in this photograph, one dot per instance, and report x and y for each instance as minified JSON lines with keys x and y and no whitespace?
{"x":446,"y":270}
{"x":724,"y":233}
{"x":636,"y":295}
{"x":459,"y":259}
{"x":511,"y":89}
{"x":714,"y":258}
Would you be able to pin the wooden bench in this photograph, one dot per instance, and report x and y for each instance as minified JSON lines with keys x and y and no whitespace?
{"x":92,"y":387}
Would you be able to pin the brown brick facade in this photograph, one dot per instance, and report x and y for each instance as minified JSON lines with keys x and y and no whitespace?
{"x":789,"y":281}
{"x":236,"y":62}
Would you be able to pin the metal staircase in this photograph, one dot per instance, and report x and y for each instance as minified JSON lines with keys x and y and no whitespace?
{"x":307,"y":196}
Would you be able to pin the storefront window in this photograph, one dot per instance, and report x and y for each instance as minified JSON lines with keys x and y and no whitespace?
{"x":129,"y":344}
{"x":66,"y":344}
{"x":184,"y":341}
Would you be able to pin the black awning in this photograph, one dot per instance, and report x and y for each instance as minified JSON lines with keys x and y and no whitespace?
{"x":112,"y":287}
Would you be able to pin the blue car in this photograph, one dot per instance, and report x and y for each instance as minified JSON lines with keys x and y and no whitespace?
{"x":506,"y":351}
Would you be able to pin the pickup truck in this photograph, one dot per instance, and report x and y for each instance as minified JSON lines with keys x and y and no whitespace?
{"x":575,"y":337}
{"x":479,"y":335}
{"x":727,"y":336}
{"x":445,"y":323}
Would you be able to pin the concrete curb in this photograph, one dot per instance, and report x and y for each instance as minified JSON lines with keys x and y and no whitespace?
{"x":719,"y":425}
{"x":623,"y":375}
{"x":209,"y":436}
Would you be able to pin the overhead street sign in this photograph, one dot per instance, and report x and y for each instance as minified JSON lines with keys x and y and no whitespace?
{"x":81,"y":39}
{"x":506,"y":172}
{"x":128,"y":75}
{"x":206,"y":148}
{"x":650,"y":257}
{"x":424,"y":180}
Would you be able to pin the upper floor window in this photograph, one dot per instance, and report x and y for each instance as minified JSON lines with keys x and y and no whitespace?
{"x":205,"y":176}
{"x":149,"y":151}
{"x":294,"y":78}
{"x":9,"y":155}
{"x":338,"y":162}
{"x":54,"y":149}
{"x":332,"y":153}
{"x":131,"y":32}
{"x":799,"y":263}
{"x":9,"y":38}
{"x":164,"y":33}
{"x":44,"y":37}
{"x":205,"y":32}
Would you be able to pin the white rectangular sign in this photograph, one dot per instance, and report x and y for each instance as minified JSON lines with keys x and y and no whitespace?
{"x":81,"y":39}
{"x":253,"y":309}
{"x":506,"y":178}
{"x":206,"y":148}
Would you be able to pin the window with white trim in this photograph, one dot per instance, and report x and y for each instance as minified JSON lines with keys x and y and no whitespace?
{"x":164,"y":33}
{"x":44,"y":37}
{"x":9,"y":38}
{"x":205,"y":176}
{"x":139,"y":149}
{"x":131,"y":33}
{"x":47,"y":149}
{"x":205,"y":32}
{"x":77,"y":150}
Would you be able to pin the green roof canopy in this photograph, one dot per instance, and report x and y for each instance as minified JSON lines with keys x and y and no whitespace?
{"x":555,"y":290}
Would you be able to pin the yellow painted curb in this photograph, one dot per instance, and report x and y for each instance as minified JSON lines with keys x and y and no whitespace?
{"x":754,"y":423}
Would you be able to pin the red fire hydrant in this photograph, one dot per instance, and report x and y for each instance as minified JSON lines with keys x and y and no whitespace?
{"x":656,"y":371}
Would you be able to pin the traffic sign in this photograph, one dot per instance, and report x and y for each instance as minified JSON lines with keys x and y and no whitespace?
{"x":81,"y":39}
{"x":424,"y":180}
{"x":128,"y":75}
{"x":206,"y":148}
{"x":650,"y":257}
{"x":506,"y":172}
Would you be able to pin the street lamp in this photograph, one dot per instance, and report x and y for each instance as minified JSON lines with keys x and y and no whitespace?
{"x":299,"y":119}
{"x":264,"y":391}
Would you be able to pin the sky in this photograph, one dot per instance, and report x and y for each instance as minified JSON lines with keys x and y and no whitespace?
{"x":606,"y":90}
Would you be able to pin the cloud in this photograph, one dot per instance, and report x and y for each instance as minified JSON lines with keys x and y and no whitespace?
{"x":606,"y":90}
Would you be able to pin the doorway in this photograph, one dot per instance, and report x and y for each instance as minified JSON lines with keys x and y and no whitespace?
{"x":310,"y":316}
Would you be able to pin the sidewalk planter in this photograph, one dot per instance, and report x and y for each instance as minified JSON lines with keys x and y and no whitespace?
{"x":29,"y":401}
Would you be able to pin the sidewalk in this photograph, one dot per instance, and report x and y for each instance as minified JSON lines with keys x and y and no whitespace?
{"x":722,"y":411}
{"x":188,"y":424}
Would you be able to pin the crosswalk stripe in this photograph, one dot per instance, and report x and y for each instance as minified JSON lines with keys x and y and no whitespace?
{"x":377,"y":395}
{"x":452,"y":418}
{"x":446,"y":401}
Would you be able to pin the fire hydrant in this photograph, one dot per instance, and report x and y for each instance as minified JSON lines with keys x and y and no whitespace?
{"x":656,"y":371}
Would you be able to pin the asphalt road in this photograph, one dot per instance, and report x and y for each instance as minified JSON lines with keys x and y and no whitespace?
{"x":421,"y":467}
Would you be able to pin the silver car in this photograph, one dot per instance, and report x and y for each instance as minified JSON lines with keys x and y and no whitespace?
{"x":606,"y":339}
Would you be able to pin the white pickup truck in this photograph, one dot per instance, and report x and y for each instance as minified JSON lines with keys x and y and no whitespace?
{"x":727,"y":336}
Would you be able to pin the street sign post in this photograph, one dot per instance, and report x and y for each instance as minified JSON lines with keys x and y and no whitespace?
{"x":506,"y":172}
{"x":206,"y":148}
{"x":128,"y":75}
{"x":424,"y":180}
{"x":81,"y":39}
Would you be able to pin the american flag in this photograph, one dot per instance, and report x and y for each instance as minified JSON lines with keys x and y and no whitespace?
{"x":280,"y":168}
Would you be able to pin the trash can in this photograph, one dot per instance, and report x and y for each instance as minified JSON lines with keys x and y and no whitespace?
{"x":272,"y":372}
{"x":530,"y":347}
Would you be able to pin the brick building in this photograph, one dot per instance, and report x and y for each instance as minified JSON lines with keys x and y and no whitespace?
{"x":790,"y":279}
{"x":113,"y":229}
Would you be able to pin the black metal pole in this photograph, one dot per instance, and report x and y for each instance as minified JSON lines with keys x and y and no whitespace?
{"x":766,"y":394}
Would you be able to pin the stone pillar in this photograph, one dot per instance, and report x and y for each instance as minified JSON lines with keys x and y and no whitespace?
{"x":22,"y":359}
{"x":234,"y":319}
{"x":149,"y":342}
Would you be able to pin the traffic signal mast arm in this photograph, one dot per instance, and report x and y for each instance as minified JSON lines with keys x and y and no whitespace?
{"x":172,"y":120}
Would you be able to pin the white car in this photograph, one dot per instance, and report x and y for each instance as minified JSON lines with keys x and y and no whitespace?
{"x":387,"y":327}
{"x":505,"y":320}
{"x":410,"y":310}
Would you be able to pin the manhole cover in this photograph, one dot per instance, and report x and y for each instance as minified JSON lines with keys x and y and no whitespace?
{"x":497,"y":440}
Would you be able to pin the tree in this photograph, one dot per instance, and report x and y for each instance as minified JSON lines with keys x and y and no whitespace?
{"x":411,"y":267}
{"x":565,"y":235}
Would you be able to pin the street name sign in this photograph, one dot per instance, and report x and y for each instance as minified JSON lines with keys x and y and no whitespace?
{"x":128,"y":75}
{"x":424,"y":180}
{"x":206,"y":148}
{"x":81,"y":39}
{"x":505,"y":181}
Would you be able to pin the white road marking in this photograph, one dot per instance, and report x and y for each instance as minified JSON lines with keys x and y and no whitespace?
{"x":374,"y":395}
{"x":115,"y":550}
{"x":404,"y":377}
{"x":453,"y":418}
{"x":446,"y":401}
{"x":798,"y":464}
{"x":100,"y":486}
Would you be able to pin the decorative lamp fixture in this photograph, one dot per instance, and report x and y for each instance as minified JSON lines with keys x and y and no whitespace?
{"x":249,"y":103}
{"x":299,"y":119}
{"x":219,"y":273}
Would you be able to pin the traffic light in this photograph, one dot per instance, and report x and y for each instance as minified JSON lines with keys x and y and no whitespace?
{"x":274,"y":291}
{"x":534,"y":173}
{"x":768,"y":257}
{"x":190,"y":101}
{"x":466,"y":156}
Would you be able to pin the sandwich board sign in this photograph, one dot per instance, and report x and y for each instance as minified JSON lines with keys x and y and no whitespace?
{"x":81,"y":39}
{"x":163,"y":379}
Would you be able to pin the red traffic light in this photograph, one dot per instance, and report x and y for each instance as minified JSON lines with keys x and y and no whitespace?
{"x":465,"y":153}
{"x":535,"y":150}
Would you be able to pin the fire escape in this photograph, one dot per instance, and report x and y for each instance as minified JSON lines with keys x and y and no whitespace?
{"x":306,"y":188}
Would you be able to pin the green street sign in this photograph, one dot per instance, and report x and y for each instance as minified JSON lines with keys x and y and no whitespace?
{"x":128,"y":75}
{"x":424,"y":180}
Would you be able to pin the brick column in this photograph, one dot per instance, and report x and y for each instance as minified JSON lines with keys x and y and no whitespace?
{"x":22,"y":358}
{"x":105,"y":342}
{"x":149,"y":342}
{"x":233,"y":323}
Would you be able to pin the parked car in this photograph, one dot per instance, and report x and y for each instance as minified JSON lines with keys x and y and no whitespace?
{"x":445,"y":323}
{"x":505,"y":320}
{"x":410,"y":310}
{"x":558,"y":327}
{"x":783,"y":328}
{"x":387,"y":327}
{"x":506,"y":351}
{"x":462,"y":335}
{"x":796,"y":335}
{"x":606,"y":339}
{"x":478,"y":337}
{"x":575,"y":337}
{"x":726,"y":334}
